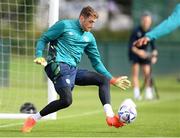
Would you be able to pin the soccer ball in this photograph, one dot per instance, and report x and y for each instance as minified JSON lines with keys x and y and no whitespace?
{"x":127,"y":111}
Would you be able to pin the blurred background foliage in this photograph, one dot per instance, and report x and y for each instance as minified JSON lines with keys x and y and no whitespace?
{"x":22,"y":15}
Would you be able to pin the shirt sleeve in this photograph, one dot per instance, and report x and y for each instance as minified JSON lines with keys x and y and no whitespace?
{"x":53,"y":33}
{"x":167,"y":26}
{"x":94,"y":56}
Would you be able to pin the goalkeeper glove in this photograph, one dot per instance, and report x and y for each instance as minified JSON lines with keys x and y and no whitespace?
{"x":122,"y":82}
{"x":41,"y":61}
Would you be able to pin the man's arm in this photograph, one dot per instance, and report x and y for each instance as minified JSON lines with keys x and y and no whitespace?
{"x":94,"y":56}
{"x":53,"y":33}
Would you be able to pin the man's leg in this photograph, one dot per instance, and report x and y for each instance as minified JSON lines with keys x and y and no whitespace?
{"x":63,"y":88}
{"x":84,"y":78}
{"x":147,"y":76}
{"x":64,"y":101}
{"x":135,"y":77}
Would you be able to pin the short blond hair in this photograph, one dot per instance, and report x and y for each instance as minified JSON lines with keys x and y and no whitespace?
{"x":88,"y":11}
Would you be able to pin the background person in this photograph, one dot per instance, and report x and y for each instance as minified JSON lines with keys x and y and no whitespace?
{"x":140,"y":57}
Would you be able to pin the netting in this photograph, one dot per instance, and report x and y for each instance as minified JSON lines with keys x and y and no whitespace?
{"x":21,"y":23}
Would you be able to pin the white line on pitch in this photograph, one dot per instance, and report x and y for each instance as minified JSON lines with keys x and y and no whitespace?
{"x":79,"y":115}
{"x":11,"y":125}
{"x":65,"y":117}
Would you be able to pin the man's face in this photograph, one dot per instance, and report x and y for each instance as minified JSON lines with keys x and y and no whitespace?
{"x":146,"y":22}
{"x":87,"y":23}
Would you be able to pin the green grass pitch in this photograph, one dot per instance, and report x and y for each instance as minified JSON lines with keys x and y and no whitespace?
{"x":85,"y":118}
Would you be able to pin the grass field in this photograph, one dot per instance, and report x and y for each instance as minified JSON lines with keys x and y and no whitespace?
{"x":85,"y":118}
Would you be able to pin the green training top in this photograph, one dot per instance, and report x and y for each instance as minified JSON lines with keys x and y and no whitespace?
{"x":70,"y":42}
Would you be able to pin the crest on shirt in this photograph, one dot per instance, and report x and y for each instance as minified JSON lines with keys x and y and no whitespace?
{"x":85,"y":38}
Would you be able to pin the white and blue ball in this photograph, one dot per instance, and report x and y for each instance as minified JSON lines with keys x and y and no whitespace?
{"x":127,"y":111}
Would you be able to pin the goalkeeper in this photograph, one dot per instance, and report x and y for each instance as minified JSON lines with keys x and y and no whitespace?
{"x":69,"y":39}
{"x":167,"y":26}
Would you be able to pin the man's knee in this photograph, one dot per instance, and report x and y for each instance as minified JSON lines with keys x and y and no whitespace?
{"x":65,"y":95}
{"x":67,"y":102}
{"x":104,"y":80}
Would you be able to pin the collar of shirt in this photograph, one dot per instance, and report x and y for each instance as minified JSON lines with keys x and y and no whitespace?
{"x":79,"y":25}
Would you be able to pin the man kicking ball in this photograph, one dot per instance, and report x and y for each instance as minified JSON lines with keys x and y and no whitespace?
{"x":68,"y":40}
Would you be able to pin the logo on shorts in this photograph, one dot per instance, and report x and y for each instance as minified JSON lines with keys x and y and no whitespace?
{"x":68,"y":81}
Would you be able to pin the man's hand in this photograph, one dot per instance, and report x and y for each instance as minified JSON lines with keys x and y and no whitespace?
{"x":154,"y":57}
{"x":121,"y":82}
{"x":41,"y":61}
{"x":141,"y":53}
{"x":141,"y":41}
{"x":155,"y":53}
{"x":153,"y":60}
